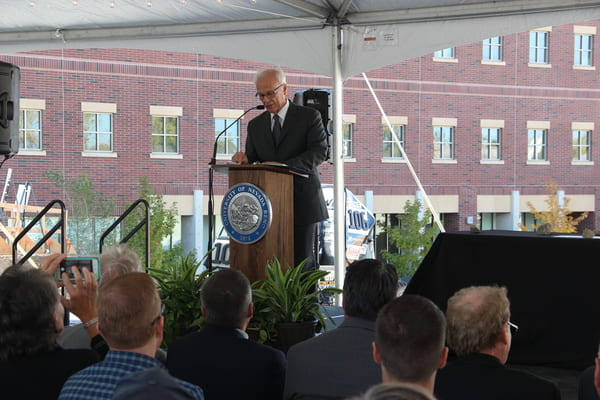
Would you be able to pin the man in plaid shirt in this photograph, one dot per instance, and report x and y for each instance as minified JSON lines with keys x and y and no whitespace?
{"x":130,"y":318}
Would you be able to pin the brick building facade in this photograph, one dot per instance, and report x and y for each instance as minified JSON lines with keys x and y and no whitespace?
{"x":528,"y":95}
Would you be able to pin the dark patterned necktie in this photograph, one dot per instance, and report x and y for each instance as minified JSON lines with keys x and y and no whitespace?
{"x":276,"y":129}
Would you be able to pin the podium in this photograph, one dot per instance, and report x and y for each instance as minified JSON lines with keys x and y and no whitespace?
{"x":277,"y":183}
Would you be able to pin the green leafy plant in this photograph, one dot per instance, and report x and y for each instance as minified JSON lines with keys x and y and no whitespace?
{"x":287,"y":296}
{"x":162,"y":223}
{"x":412,"y":237}
{"x":179,"y":290}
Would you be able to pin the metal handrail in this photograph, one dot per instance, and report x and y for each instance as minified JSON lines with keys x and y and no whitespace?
{"x":145,"y":222}
{"x":60,"y":224}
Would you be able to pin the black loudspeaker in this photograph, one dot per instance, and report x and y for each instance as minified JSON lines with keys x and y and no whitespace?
{"x":320,"y":99}
{"x":10,"y":77}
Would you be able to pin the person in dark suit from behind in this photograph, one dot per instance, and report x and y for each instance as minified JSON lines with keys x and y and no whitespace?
{"x":478,"y":319}
{"x":220,"y":358}
{"x":301,"y":143}
{"x":339,"y":363}
{"x":589,"y":381}
{"x":32,"y":364}
{"x":410,"y":337}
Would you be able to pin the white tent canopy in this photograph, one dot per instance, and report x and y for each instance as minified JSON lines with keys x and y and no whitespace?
{"x":290,"y":33}
{"x":337,"y":38}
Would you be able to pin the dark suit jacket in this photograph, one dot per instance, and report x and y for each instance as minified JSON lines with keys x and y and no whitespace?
{"x":587,"y":390}
{"x":303,"y":145}
{"x":336,"y":364}
{"x":227,"y":366}
{"x":42,"y":376}
{"x":481,"y":376}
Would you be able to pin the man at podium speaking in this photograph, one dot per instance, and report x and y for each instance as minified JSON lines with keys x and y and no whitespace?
{"x":293,"y":135}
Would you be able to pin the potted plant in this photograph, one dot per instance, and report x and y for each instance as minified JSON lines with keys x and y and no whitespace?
{"x":286,"y":308}
{"x":179,"y":290}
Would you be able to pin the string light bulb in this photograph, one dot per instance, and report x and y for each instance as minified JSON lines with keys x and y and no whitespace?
{"x":149,"y":3}
{"x":75,"y":2}
{"x":112,"y":4}
{"x":31,"y":3}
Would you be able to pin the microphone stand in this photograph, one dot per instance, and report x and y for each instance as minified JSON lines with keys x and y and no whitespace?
{"x":211,"y":211}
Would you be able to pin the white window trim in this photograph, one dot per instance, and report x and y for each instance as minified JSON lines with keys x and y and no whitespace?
{"x":98,"y":108}
{"x":349,"y":159}
{"x":166,"y":111}
{"x":585,"y":67}
{"x":443,"y":161}
{"x":222,"y":113}
{"x":493,"y":62}
{"x":167,"y":156}
{"x":491,"y":162}
{"x":445,"y":60}
{"x":538,"y":162}
{"x":584,"y":30}
{"x":539,"y":65}
{"x":582,"y":163}
{"x":393,"y":160}
{"x":538,"y":124}
{"x":32,"y":104}
{"x":99,"y":154}
{"x":30,"y":152}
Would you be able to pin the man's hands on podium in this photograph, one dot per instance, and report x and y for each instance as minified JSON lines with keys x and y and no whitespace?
{"x":239,"y":158}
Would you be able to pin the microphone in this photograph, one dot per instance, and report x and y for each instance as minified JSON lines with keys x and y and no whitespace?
{"x":214,"y":154}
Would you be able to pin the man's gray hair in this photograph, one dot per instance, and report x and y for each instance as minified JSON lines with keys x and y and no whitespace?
{"x":279,"y":74}
{"x":476,"y":316}
{"x":116,"y":261}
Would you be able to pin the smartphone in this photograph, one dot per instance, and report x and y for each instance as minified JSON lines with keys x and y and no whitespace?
{"x":90,"y":262}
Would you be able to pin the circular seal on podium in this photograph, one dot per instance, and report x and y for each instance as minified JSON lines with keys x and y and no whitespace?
{"x":246,"y":213}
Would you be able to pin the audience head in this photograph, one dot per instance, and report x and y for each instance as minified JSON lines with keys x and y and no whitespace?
{"x":31,"y":315}
{"x":597,"y":372}
{"x":226,"y":297}
{"x":396,"y":391}
{"x":410,"y":339}
{"x":116,"y":261}
{"x":477,"y":318}
{"x":369,"y":285}
{"x":130,"y":312}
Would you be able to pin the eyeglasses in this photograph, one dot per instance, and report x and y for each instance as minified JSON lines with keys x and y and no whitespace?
{"x":514,"y":328}
{"x":269,"y":94}
{"x":162,"y":312}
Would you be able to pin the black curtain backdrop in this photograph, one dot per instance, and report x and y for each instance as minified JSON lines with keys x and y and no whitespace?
{"x":553,"y":285}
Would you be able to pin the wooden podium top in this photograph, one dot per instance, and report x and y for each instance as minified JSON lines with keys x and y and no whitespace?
{"x":279,"y":168}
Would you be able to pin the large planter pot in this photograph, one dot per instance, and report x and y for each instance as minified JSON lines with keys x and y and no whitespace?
{"x":290,"y":333}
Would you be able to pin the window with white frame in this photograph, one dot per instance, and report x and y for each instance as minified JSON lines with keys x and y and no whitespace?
{"x":229,"y":142}
{"x":536,"y":144}
{"x":390,"y":145}
{"x":348,"y":136}
{"x":583,"y":47}
{"x":30,"y":129}
{"x":582,"y":139}
{"x":444,"y":53}
{"x":490,"y":144}
{"x":443,"y":142}
{"x":391,"y":149}
{"x":539,"y":47}
{"x":348,"y":129}
{"x":97,"y":131}
{"x":492,"y":49}
{"x":165,"y":129}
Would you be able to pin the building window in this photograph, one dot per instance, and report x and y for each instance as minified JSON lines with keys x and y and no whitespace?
{"x":165,"y":134}
{"x":583,"y":50}
{"x":536,"y":144}
{"x":490,"y":144}
{"x":97,"y":131}
{"x":443,"y":142}
{"x":492,"y":49}
{"x":30,"y":130}
{"x":229,"y":142}
{"x":348,"y":133}
{"x":390,"y":146}
{"x":538,"y":47}
{"x":581,"y":145}
{"x":444,"y":53}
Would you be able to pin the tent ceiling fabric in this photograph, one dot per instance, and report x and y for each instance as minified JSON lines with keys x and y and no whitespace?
{"x":290,"y":33}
